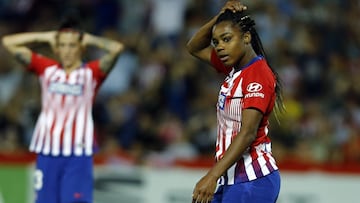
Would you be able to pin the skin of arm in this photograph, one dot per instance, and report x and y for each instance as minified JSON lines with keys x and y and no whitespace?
{"x":205,"y":188}
{"x":112,"y":48}
{"x":16,"y":44}
{"x":200,"y":43}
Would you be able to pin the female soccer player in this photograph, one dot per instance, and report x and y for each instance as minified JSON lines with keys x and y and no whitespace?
{"x":245,"y":170}
{"x":64,"y":134}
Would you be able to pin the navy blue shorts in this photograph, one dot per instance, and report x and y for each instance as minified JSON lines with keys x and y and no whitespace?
{"x":63,"y":179}
{"x":264,"y":190}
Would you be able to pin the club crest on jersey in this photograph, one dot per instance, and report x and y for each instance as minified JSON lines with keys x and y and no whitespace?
{"x":253,"y":89}
{"x":69,"y":89}
{"x":222,"y":99}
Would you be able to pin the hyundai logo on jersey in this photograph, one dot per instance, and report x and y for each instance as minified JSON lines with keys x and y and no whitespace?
{"x":254,"y":87}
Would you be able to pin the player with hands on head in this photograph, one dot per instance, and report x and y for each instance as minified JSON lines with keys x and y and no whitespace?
{"x":245,"y":170}
{"x":63,"y":138}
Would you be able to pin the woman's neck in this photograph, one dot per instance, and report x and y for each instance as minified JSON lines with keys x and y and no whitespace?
{"x":69,"y":69}
{"x":246,"y":59}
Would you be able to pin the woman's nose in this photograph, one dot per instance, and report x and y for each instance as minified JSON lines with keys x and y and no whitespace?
{"x":219,"y":47}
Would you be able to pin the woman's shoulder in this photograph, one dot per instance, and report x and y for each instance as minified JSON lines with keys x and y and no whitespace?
{"x":258,"y":71}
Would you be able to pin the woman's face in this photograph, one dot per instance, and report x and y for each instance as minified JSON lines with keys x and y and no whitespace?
{"x":228,"y":43}
{"x":69,"y":49}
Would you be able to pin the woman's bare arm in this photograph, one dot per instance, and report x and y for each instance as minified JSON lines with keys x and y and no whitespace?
{"x":112,"y":48}
{"x":205,"y":188}
{"x":16,"y":44}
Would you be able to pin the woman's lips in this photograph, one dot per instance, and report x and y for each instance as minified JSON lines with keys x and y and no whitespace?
{"x":224,"y":58}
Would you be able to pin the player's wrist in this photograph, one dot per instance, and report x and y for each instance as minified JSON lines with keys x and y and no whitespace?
{"x":215,"y":175}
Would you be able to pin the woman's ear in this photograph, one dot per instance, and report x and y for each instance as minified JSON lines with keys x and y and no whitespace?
{"x":247,"y":37}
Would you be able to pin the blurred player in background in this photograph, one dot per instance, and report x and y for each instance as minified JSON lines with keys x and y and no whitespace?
{"x":64,"y":134}
{"x":245,"y":169}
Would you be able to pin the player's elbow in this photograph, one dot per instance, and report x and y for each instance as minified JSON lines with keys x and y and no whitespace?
{"x":249,"y":135}
{"x":5,"y":41}
{"x":118,"y":48}
{"x":190,"y":48}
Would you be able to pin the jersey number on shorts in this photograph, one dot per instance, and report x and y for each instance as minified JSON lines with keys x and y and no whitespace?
{"x":38,"y":179}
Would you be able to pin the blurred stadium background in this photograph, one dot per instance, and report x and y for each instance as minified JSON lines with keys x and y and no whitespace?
{"x":155,"y":114}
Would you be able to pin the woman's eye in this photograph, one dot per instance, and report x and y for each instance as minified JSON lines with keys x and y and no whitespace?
{"x":227,"y":39}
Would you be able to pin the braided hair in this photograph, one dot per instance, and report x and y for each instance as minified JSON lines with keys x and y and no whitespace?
{"x":246,"y":24}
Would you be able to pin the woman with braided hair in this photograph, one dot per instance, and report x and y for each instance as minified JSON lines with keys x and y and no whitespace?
{"x":245,"y":170}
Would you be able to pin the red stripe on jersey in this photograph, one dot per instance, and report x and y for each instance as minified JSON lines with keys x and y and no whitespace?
{"x":255,"y":163}
{"x":62,"y":131}
{"x":268,"y":161}
{"x":51,"y":132}
{"x":73,"y":131}
{"x":84,"y":138}
{"x":61,"y":137}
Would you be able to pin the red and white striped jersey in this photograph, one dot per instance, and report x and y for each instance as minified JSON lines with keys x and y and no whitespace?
{"x":253,"y":86}
{"x":65,"y":125}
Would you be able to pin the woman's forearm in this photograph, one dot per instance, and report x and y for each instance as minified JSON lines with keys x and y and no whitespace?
{"x":250,"y":122}
{"x":22,"y":39}
{"x":202,"y":38}
{"x":108,"y":45}
{"x":112,"y":48}
{"x":16,"y":44}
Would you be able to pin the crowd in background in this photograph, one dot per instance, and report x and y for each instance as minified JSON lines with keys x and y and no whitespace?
{"x":158,"y":104}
